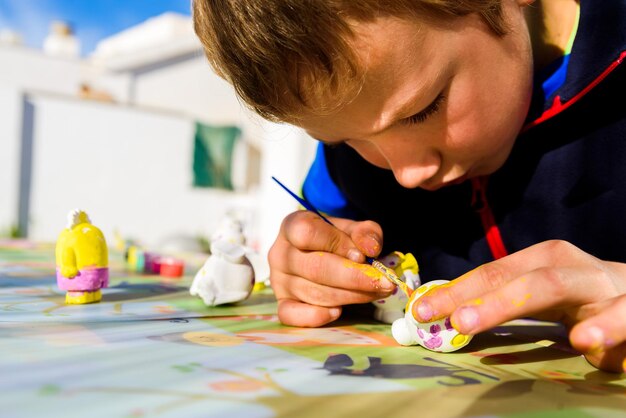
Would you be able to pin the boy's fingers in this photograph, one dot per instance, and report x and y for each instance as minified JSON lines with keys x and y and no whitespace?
{"x":335,"y":271}
{"x":299,"y":314}
{"x":308,"y":232}
{"x":366,"y":235}
{"x":536,"y":291}
{"x":601,"y":337}
{"x":304,"y":290}
{"x":442,"y":301}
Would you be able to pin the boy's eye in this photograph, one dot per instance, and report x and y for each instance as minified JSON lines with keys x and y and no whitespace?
{"x":430,"y":110}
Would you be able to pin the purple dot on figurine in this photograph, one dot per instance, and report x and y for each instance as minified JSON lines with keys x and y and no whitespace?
{"x":433,"y":343}
{"x":435,"y":329}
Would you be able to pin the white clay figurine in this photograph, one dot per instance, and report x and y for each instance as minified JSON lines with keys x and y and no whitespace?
{"x":227,"y":276}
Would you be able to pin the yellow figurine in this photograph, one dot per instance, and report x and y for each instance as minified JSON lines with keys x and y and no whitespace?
{"x":82,"y":260}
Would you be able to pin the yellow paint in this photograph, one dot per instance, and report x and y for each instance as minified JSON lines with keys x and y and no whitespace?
{"x":459,"y":340}
{"x":81,"y":298}
{"x":379,"y":271}
{"x":453,"y":323}
{"x":427,"y":287}
{"x":421,"y":290}
{"x":407,"y":263}
{"x":120,"y":244}
{"x":366,"y":269}
{"x":390,"y":275}
{"x":475,"y":302}
{"x":520,"y":302}
{"x":132,"y":256}
{"x":81,"y":246}
{"x":212,"y":339}
{"x":258,"y":286}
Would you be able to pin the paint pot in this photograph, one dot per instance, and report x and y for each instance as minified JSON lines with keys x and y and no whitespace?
{"x":171,"y":267}
{"x":152,"y":263}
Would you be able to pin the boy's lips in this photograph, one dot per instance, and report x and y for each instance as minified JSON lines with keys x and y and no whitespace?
{"x":436,"y":186}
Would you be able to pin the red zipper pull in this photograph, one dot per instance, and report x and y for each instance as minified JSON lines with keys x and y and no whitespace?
{"x":481,"y":205}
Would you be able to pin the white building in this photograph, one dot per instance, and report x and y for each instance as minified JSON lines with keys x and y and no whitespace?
{"x":113,"y":134}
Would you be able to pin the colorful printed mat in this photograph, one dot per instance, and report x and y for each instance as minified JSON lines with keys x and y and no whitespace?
{"x":151,"y":349}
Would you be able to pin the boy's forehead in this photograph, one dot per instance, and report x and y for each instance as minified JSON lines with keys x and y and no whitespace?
{"x":400,"y":68}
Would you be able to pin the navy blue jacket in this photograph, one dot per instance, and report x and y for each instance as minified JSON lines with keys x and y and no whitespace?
{"x":565,"y":178}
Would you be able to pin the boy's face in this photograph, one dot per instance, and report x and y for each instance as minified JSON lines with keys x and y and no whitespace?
{"x":439,"y":104}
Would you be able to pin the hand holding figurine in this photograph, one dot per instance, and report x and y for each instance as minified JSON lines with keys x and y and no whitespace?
{"x":316,"y":268}
{"x":438,"y":335}
{"x":554,"y":281}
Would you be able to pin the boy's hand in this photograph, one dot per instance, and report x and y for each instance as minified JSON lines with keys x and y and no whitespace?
{"x":553,"y":281}
{"x":315,"y":268}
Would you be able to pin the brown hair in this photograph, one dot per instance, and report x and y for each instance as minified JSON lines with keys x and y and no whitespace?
{"x":286,"y":58}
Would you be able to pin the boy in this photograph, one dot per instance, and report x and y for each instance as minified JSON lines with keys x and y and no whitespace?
{"x":476,"y":134}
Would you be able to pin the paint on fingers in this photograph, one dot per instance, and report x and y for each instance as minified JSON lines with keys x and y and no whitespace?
{"x":379,"y":282}
{"x":518,"y":303}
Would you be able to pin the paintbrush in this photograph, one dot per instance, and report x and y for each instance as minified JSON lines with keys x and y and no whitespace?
{"x":388,"y":273}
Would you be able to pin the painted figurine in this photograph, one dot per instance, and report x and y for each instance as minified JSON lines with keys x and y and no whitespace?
{"x":82,"y":260}
{"x":406,"y":268}
{"x":437,"y":336}
{"x":227,"y":276}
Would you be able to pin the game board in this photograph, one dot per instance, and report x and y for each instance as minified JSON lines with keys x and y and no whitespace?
{"x":151,"y":349}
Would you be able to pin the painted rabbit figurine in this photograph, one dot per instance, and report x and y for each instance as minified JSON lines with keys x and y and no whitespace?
{"x":437,"y":336}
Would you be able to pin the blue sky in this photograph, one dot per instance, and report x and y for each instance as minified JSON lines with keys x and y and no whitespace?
{"x":92,"y":20}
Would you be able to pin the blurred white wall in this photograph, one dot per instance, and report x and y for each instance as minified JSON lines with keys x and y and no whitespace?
{"x":131,"y":170}
{"x":127,"y":161}
{"x":10,"y":149}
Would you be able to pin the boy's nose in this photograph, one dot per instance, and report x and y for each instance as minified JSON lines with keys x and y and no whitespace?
{"x":414,"y":175}
{"x":412,"y":163}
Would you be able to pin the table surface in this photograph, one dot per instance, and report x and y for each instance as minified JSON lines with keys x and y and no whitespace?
{"x":151,"y":349}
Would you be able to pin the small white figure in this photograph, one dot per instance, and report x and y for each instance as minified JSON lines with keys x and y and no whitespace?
{"x":227,"y":276}
{"x":437,"y":336}
{"x":230,"y":230}
{"x":406,"y":268}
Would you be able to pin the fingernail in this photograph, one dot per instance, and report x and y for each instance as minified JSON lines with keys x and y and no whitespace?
{"x":334,"y":312}
{"x":372,"y":246}
{"x":466,"y":319}
{"x":424,"y":312}
{"x":386,"y":284}
{"x":355,"y":255}
{"x":595,"y":339}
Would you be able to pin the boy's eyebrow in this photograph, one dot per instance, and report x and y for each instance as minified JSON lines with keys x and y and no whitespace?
{"x":405,"y":110}
{"x":435,"y":84}
{"x":408,"y":109}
